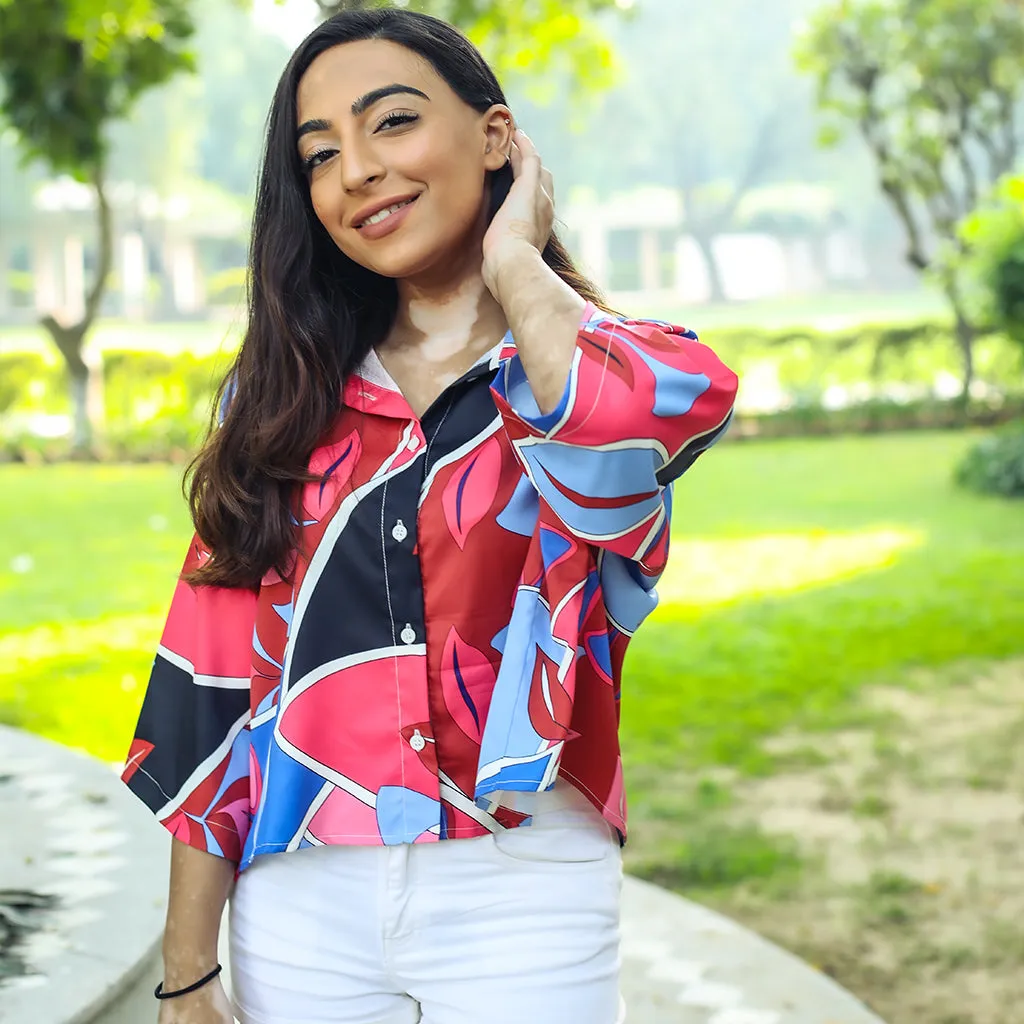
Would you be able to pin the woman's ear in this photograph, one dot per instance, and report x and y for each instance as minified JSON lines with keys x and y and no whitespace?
{"x":498,"y":130}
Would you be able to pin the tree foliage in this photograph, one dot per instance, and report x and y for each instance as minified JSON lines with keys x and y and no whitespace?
{"x":517,"y":36}
{"x":994,"y":236}
{"x":68,"y":69}
{"x":934,"y":88}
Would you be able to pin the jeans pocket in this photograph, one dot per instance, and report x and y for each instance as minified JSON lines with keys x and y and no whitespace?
{"x":573,"y":838}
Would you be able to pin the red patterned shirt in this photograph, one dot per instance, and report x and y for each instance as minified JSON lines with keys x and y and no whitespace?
{"x":465,"y":585}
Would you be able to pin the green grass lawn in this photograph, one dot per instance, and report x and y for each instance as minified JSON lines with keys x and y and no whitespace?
{"x":98,"y":549}
{"x":801,"y":571}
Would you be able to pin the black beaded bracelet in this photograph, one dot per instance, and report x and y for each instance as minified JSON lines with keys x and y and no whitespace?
{"x":161,"y":994}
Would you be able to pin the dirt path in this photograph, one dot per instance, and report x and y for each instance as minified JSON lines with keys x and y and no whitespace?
{"x":912,"y":839}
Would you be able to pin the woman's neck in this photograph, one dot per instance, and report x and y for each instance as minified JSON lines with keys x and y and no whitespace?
{"x":438,"y":322}
{"x":438,"y":334}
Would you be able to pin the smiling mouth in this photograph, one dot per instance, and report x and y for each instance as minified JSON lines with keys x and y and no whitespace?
{"x":382,"y":215}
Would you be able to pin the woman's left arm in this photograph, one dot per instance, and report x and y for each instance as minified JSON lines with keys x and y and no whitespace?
{"x":603,"y":413}
{"x":542,"y":311}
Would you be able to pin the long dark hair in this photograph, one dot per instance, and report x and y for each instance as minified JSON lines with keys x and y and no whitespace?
{"x":313,"y":316}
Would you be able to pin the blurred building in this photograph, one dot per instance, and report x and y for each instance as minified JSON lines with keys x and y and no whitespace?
{"x":637,"y":244}
{"x":183,"y":256}
{"x":167,"y":251}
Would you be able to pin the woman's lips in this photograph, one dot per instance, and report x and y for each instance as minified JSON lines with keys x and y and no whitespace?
{"x":390,"y":223}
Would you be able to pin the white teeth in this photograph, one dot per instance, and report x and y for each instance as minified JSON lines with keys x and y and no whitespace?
{"x":384,"y":214}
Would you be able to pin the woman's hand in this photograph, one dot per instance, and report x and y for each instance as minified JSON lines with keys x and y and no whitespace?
{"x":524,"y":220}
{"x":207,"y":1005}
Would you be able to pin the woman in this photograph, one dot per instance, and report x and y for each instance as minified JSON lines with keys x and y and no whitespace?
{"x":432,"y":515}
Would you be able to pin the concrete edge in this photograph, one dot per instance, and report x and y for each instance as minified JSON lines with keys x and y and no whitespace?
{"x":85,"y":838}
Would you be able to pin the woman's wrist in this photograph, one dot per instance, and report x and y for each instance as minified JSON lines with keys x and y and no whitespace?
{"x":164,"y":991}
{"x":502,"y":264}
{"x":182,"y":969}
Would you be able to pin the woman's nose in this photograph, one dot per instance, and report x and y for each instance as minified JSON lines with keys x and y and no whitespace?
{"x":359,"y":166}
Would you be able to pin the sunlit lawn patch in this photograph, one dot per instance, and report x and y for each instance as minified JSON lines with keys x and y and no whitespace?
{"x":802,"y":570}
{"x":88,"y":557}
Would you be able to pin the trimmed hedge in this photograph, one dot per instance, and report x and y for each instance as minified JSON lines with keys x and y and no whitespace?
{"x":875,"y":357}
{"x":876,"y":416}
{"x":156,"y":406}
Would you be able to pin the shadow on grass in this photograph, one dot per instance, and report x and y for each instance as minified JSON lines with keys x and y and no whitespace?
{"x":715,"y":855}
{"x":703,"y":691}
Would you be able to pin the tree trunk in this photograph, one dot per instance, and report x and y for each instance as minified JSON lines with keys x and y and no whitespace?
{"x":966,"y":332}
{"x":704,"y":242}
{"x":69,"y":339}
{"x":69,"y":343}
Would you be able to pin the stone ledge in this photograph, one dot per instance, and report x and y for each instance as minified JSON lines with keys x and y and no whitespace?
{"x":71,"y":829}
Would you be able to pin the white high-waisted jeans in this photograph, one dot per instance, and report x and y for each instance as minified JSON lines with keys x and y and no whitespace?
{"x":517,"y":928}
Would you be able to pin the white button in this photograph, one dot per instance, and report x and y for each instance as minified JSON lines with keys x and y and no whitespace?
{"x":408,"y":636}
{"x":399,"y":532}
{"x":417,"y":742}
{"x":413,"y":443}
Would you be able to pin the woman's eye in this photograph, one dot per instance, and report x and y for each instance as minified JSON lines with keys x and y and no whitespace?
{"x":319,"y":156}
{"x":316,"y":158}
{"x":396,"y":119}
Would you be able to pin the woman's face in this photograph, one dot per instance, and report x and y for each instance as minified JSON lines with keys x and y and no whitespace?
{"x":379,"y":127}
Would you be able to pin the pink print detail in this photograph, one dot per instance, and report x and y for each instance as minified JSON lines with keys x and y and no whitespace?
{"x":343,"y":816}
{"x":232,"y":817}
{"x":612,"y":357}
{"x":471,"y":490}
{"x":310,"y":720}
{"x":179,"y":826}
{"x":334,"y":463}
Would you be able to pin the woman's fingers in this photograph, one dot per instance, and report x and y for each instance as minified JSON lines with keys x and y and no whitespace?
{"x":525,"y":144}
{"x":547,"y":182}
{"x":516,"y":159}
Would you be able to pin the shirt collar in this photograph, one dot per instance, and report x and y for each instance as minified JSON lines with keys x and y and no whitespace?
{"x":371,"y":388}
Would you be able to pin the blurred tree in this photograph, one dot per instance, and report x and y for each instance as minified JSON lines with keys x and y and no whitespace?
{"x":934,"y":87}
{"x":207,"y":126}
{"x":734,"y":130}
{"x":523,"y":35}
{"x":708,"y":105}
{"x":69,"y":68}
{"x":994,"y":237}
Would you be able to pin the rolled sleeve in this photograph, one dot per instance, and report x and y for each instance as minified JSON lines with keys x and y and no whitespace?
{"x":189,"y":759}
{"x":642,"y":401}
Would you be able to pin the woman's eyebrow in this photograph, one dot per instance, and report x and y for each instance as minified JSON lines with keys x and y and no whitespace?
{"x":318,"y":124}
{"x":363,"y":104}
{"x":360,"y":106}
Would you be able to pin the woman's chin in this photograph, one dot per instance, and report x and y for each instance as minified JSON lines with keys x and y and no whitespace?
{"x":435,"y":263}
